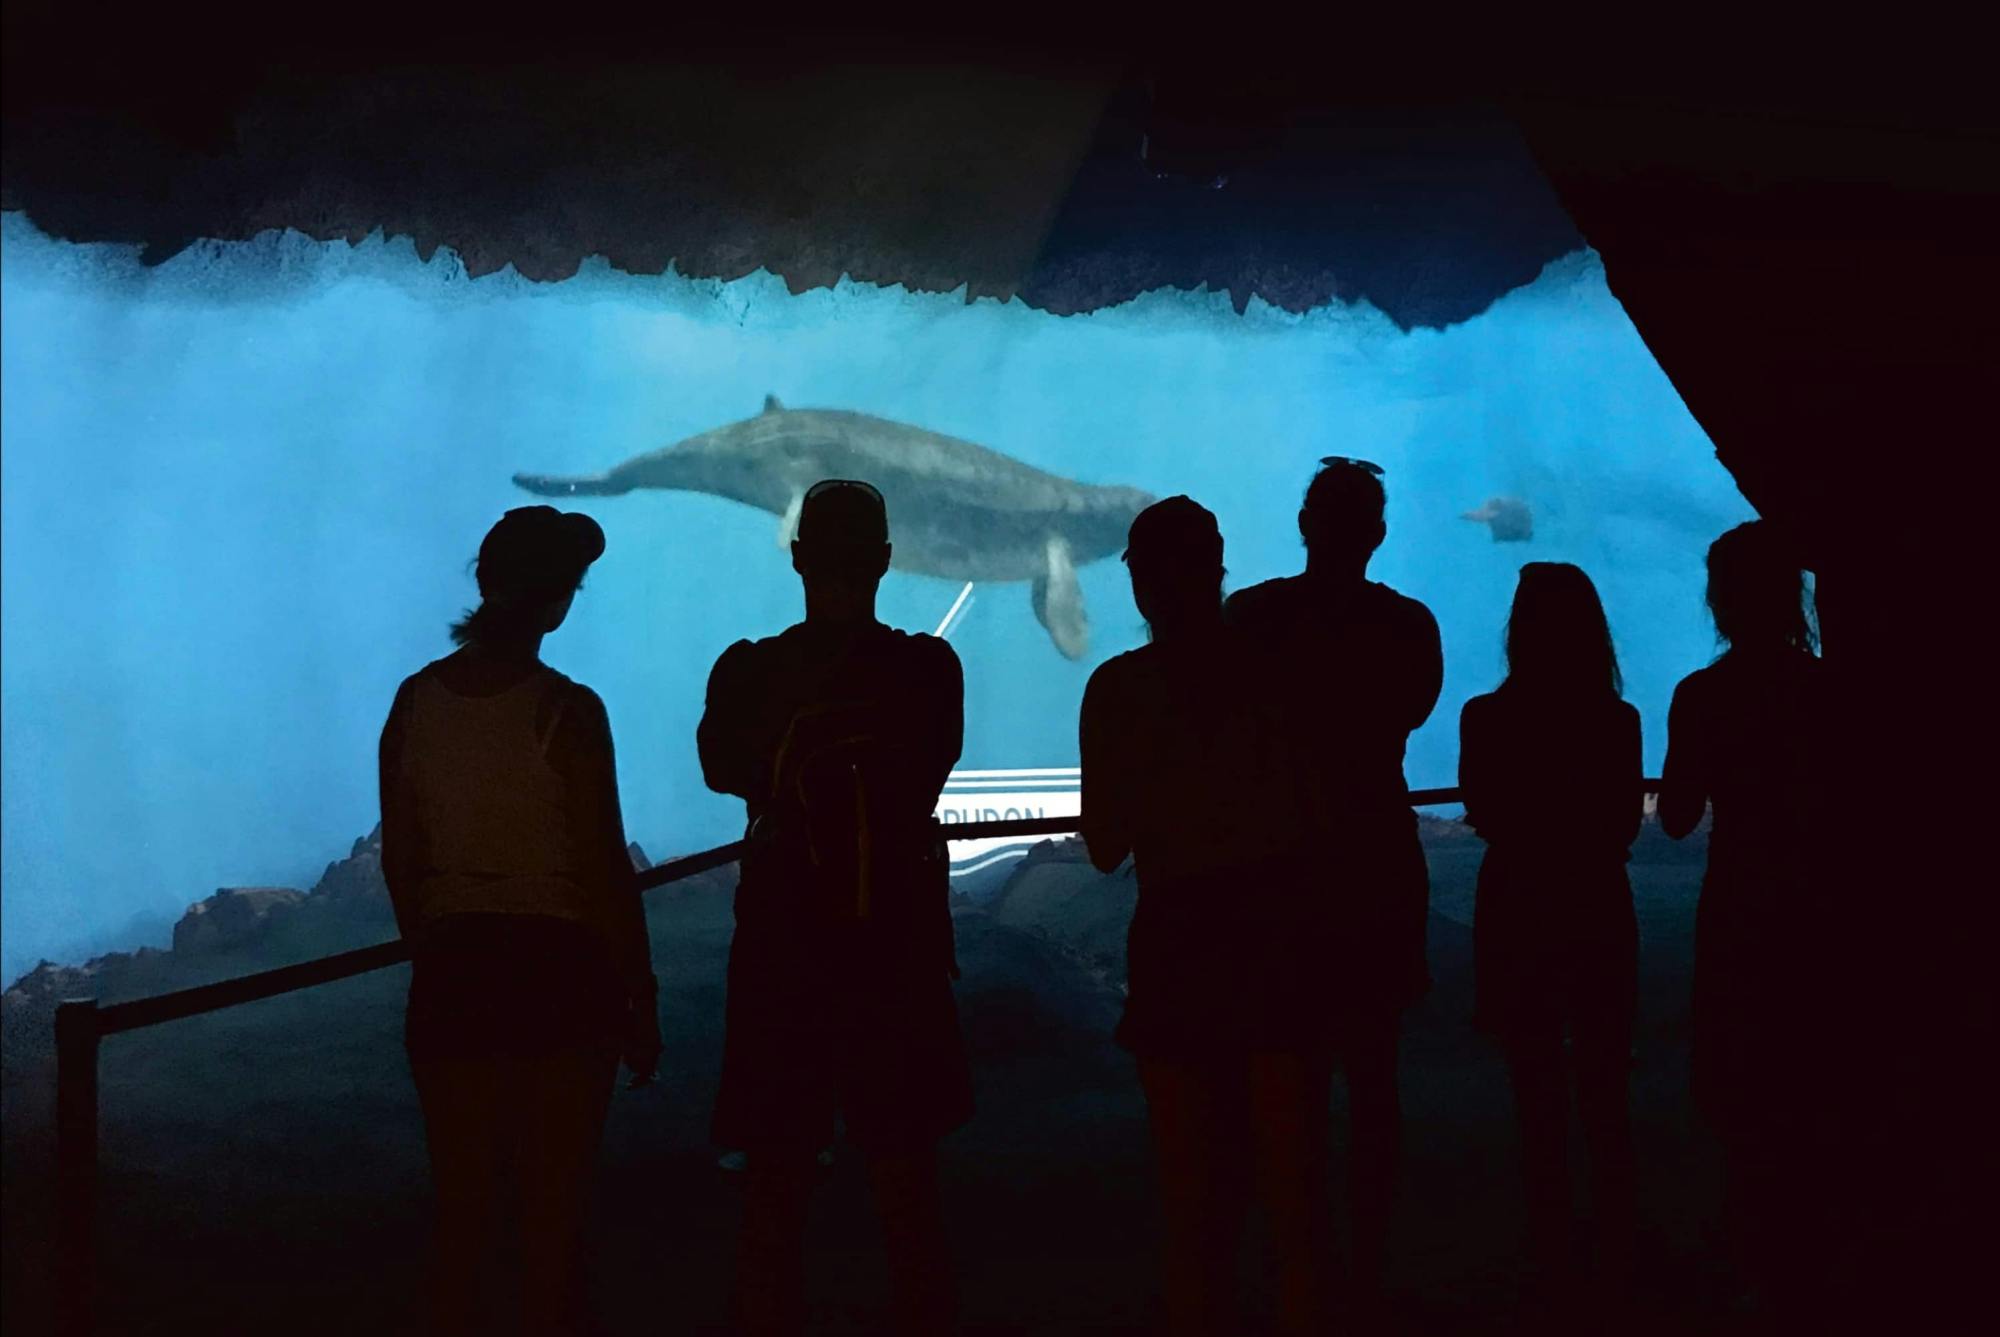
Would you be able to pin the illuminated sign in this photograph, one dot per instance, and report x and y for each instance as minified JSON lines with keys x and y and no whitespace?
{"x":1005,"y":796}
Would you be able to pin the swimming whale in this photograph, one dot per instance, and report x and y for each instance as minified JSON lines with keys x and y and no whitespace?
{"x":1509,"y":517}
{"x":956,"y":510}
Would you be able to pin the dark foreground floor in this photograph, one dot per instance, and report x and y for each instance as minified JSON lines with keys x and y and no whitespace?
{"x":263,"y":1167}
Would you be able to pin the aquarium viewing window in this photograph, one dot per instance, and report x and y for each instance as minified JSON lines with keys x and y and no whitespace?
{"x":242,"y":489}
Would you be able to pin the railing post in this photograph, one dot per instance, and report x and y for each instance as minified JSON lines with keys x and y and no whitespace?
{"x":77,"y":1037}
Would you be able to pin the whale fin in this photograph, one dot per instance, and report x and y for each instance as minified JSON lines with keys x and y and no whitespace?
{"x":1514,"y":522}
{"x":548,"y":485}
{"x":1058,"y":601}
{"x":771,"y":404}
{"x":1511,"y":519}
{"x":788,"y":523}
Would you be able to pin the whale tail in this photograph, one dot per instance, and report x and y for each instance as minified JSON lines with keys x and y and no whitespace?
{"x":549,"y":485}
{"x":1058,"y":601}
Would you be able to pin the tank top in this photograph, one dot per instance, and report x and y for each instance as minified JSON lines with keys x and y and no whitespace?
{"x":494,"y":811}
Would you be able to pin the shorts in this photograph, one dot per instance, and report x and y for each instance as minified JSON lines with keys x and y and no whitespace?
{"x":511,"y":986}
{"x":819,"y":1026}
{"x":1260,"y":959}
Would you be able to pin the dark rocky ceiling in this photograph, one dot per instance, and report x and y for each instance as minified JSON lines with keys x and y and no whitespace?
{"x":1072,"y":187}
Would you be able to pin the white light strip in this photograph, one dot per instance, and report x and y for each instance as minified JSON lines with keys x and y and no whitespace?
{"x":1041,"y":781}
{"x":957,"y":604}
{"x":1071,"y":772}
{"x":998,"y":856}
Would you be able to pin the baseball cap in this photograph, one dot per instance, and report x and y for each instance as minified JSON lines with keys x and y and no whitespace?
{"x":532,"y":547}
{"x":1177,"y":529}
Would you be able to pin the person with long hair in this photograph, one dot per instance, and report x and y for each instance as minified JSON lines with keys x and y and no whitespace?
{"x":1178,"y":776}
{"x":1550,"y":769}
{"x":505,"y":856}
{"x":1745,"y":743}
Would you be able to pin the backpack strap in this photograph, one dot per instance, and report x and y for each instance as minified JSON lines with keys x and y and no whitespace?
{"x":813,"y":684}
{"x":555,"y":687}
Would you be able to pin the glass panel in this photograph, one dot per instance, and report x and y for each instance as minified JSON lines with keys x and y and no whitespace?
{"x":241,"y":491}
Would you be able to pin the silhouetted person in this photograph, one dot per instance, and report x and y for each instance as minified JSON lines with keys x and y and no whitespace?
{"x":1178,"y":774}
{"x":839,"y":734}
{"x":506,"y":861}
{"x":1550,"y":768}
{"x":1353,"y":667}
{"x":1745,"y":736}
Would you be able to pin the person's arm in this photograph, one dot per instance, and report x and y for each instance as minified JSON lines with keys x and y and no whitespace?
{"x":581,"y":751}
{"x":1684,"y":783}
{"x":730,"y":761}
{"x":402,"y":836}
{"x":945,"y":742}
{"x":1628,"y":804}
{"x":1107,"y":800}
{"x":941,"y":749}
{"x":1483,"y":801}
{"x":1426,"y":677}
{"x":590,"y":766}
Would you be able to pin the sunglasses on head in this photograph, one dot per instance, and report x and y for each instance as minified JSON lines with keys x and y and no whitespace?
{"x":835,"y":484}
{"x":1366,"y":466}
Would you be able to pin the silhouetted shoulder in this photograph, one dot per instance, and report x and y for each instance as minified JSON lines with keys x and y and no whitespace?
{"x":1120,"y":669}
{"x":1403,"y":605}
{"x":581,"y":704}
{"x":1604,"y":713}
{"x":1275,"y":602}
{"x":394,"y":727}
{"x":429,"y":670}
{"x":739,"y":660}
{"x":570,"y":716}
{"x":933,"y":652}
{"x":406,"y":687}
{"x":747,"y":650}
{"x":1400,"y":610}
{"x":1258,"y":606}
{"x":1700,"y":681}
{"x":1115,"y":702}
{"x":1478,"y":712}
{"x":578,"y":728}
{"x":1694,"y":692}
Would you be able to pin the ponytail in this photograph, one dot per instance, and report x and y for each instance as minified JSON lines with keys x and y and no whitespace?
{"x":476,"y":623}
{"x":494,"y":618}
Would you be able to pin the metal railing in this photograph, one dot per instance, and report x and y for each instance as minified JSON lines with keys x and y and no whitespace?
{"x":81,"y":1026}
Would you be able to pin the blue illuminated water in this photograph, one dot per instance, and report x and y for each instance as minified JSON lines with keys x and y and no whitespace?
{"x":239,"y":493}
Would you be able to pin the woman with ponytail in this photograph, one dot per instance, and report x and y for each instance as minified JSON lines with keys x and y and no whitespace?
{"x":505,"y":856}
{"x":1745,"y":741}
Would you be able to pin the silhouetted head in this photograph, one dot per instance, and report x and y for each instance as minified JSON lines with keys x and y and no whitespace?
{"x":529,"y":568}
{"x":1174,"y":552}
{"x":1557,"y":636}
{"x":1757,"y":591}
{"x":1341,"y":520}
{"x":843,"y":535}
